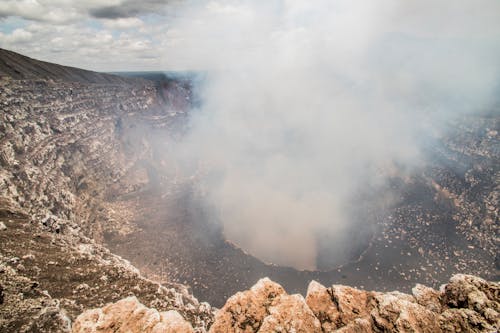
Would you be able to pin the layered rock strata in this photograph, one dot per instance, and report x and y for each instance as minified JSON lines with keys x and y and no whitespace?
{"x":63,"y":147}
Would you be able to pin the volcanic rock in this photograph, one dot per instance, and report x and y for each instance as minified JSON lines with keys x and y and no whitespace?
{"x":467,"y":303}
{"x":128,"y":315}
{"x":338,"y":306}
{"x":265,"y":308}
{"x":427,"y":297}
{"x":290,"y":314}
{"x":246,"y":311}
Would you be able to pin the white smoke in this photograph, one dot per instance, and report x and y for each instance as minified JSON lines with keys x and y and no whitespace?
{"x":307,"y":101}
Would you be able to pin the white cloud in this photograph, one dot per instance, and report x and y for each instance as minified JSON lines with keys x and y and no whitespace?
{"x":98,"y":35}
{"x":50,"y":11}
{"x":18,"y":36}
{"x":67,"y":11}
{"x":82,"y":46}
{"x":123,"y":23}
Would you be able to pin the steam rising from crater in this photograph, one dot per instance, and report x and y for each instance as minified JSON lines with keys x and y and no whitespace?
{"x":306,"y":102}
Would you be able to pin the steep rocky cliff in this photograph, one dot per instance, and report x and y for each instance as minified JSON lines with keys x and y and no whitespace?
{"x":62,"y":150}
{"x":83,"y":159}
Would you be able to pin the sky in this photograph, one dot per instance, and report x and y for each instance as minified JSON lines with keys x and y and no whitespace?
{"x":103,"y":35}
{"x":113,"y":35}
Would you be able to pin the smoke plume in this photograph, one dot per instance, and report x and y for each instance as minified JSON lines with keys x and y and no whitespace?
{"x":305,"y":103}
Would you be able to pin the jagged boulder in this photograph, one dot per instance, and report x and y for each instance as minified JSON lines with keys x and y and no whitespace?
{"x":290,"y":313}
{"x":129,"y":315}
{"x":473,"y":305}
{"x":265,"y":308}
{"x":466,"y":304}
{"x":397,"y":312}
{"x":427,"y":297}
{"x":339,"y":305}
{"x":245,"y":311}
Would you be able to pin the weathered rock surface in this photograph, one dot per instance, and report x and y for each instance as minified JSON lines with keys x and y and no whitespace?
{"x":265,"y":308}
{"x":246,"y":310}
{"x":62,"y":150}
{"x":25,"y":307}
{"x":467,"y":304}
{"x":128,"y":315}
{"x":48,"y":279}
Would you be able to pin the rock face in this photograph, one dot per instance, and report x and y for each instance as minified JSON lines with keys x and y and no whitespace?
{"x":62,"y":150}
{"x":48,"y":279}
{"x":128,"y":315}
{"x":466,"y":304}
{"x":52,"y":162}
{"x":25,"y":307}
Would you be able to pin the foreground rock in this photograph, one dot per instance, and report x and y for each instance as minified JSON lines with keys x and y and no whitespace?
{"x":265,"y":308}
{"x":128,"y":315}
{"x":47,"y":280}
{"x":466,"y":304}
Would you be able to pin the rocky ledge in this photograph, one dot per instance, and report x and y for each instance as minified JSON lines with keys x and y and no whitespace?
{"x":465,"y":304}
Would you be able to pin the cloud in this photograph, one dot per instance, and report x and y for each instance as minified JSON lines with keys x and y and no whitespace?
{"x":124,"y":23}
{"x":18,"y":36}
{"x":47,"y":11}
{"x":129,"y":8}
{"x":65,"y":32}
{"x":63,"y":12}
{"x":83,"y":46}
